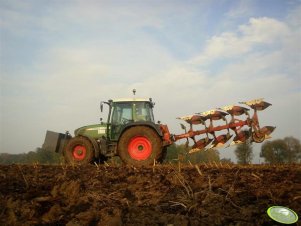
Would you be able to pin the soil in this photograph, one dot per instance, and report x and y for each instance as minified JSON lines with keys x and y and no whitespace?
{"x":167,"y":195}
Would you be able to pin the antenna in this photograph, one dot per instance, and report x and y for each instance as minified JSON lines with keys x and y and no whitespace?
{"x":134,"y":91}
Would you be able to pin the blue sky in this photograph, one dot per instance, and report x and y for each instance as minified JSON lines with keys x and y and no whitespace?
{"x":59,"y":59}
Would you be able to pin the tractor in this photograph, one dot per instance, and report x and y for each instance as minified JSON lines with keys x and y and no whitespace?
{"x":132,"y":133}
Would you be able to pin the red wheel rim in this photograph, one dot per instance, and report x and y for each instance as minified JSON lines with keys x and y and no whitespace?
{"x":79,"y":152}
{"x":140,"y":148}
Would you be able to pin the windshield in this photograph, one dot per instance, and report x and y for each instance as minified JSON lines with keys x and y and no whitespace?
{"x":125,"y":112}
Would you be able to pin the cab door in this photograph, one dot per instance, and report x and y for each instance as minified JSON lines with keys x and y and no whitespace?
{"x":122,"y":114}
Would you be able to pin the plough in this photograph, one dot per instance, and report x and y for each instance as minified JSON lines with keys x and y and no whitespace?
{"x":239,"y":127}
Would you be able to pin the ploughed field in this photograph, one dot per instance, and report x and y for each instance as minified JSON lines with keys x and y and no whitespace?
{"x":160,"y":195}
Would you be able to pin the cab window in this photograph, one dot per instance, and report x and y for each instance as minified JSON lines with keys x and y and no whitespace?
{"x":122,"y":113}
{"x":142,"y":112}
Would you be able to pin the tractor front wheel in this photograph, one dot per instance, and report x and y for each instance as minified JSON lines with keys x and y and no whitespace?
{"x":139,"y":145}
{"x":79,"y":151}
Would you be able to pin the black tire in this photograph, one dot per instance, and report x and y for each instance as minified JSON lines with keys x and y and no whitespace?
{"x":140,"y":146}
{"x":79,"y":151}
{"x":163,"y":155}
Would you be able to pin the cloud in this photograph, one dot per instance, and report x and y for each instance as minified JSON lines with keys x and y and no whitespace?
{"x":242,"y":9}
{"x":260,"y":32}
{"x":294,"y":17}
{"x":256,"y":30}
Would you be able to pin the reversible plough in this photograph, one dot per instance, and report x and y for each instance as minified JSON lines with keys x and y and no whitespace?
{"x":240,"y":126}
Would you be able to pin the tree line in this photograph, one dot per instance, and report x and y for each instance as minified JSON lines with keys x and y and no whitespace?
{"x":287,"y":150}
{"x":40,"y":156}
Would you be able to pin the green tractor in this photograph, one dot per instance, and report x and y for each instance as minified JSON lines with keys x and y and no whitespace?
{"x":132,"y":133}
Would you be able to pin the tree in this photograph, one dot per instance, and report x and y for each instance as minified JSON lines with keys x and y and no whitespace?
{"x":210,"y":155}
{"x":226,"y":160}
{"x":244,"y":153}
{"x":285,"y":150}
{"x":180,"y":153}
{"x":173,"y":152}
{"x":293,"y":149}
{"x":47,"y":157}
{"x":39,"y":156}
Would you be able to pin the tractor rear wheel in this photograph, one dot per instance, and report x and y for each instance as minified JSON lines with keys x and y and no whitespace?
{"x":139,"y":145}
{"x":79,"y":151}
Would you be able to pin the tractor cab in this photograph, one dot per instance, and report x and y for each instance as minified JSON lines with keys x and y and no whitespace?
{"x":128,"y":111}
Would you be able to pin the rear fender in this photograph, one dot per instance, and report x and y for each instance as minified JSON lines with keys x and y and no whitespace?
{"x":152,"y":125}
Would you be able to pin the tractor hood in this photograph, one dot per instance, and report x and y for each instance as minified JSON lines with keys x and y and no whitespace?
{"x":94,"y":131}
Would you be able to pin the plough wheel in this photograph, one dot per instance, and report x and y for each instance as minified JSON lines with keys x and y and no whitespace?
{"x":139,"y":145}
{"x":79,"y":150}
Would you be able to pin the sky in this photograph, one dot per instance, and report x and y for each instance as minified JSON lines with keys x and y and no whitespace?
{"x":59,"y":59}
